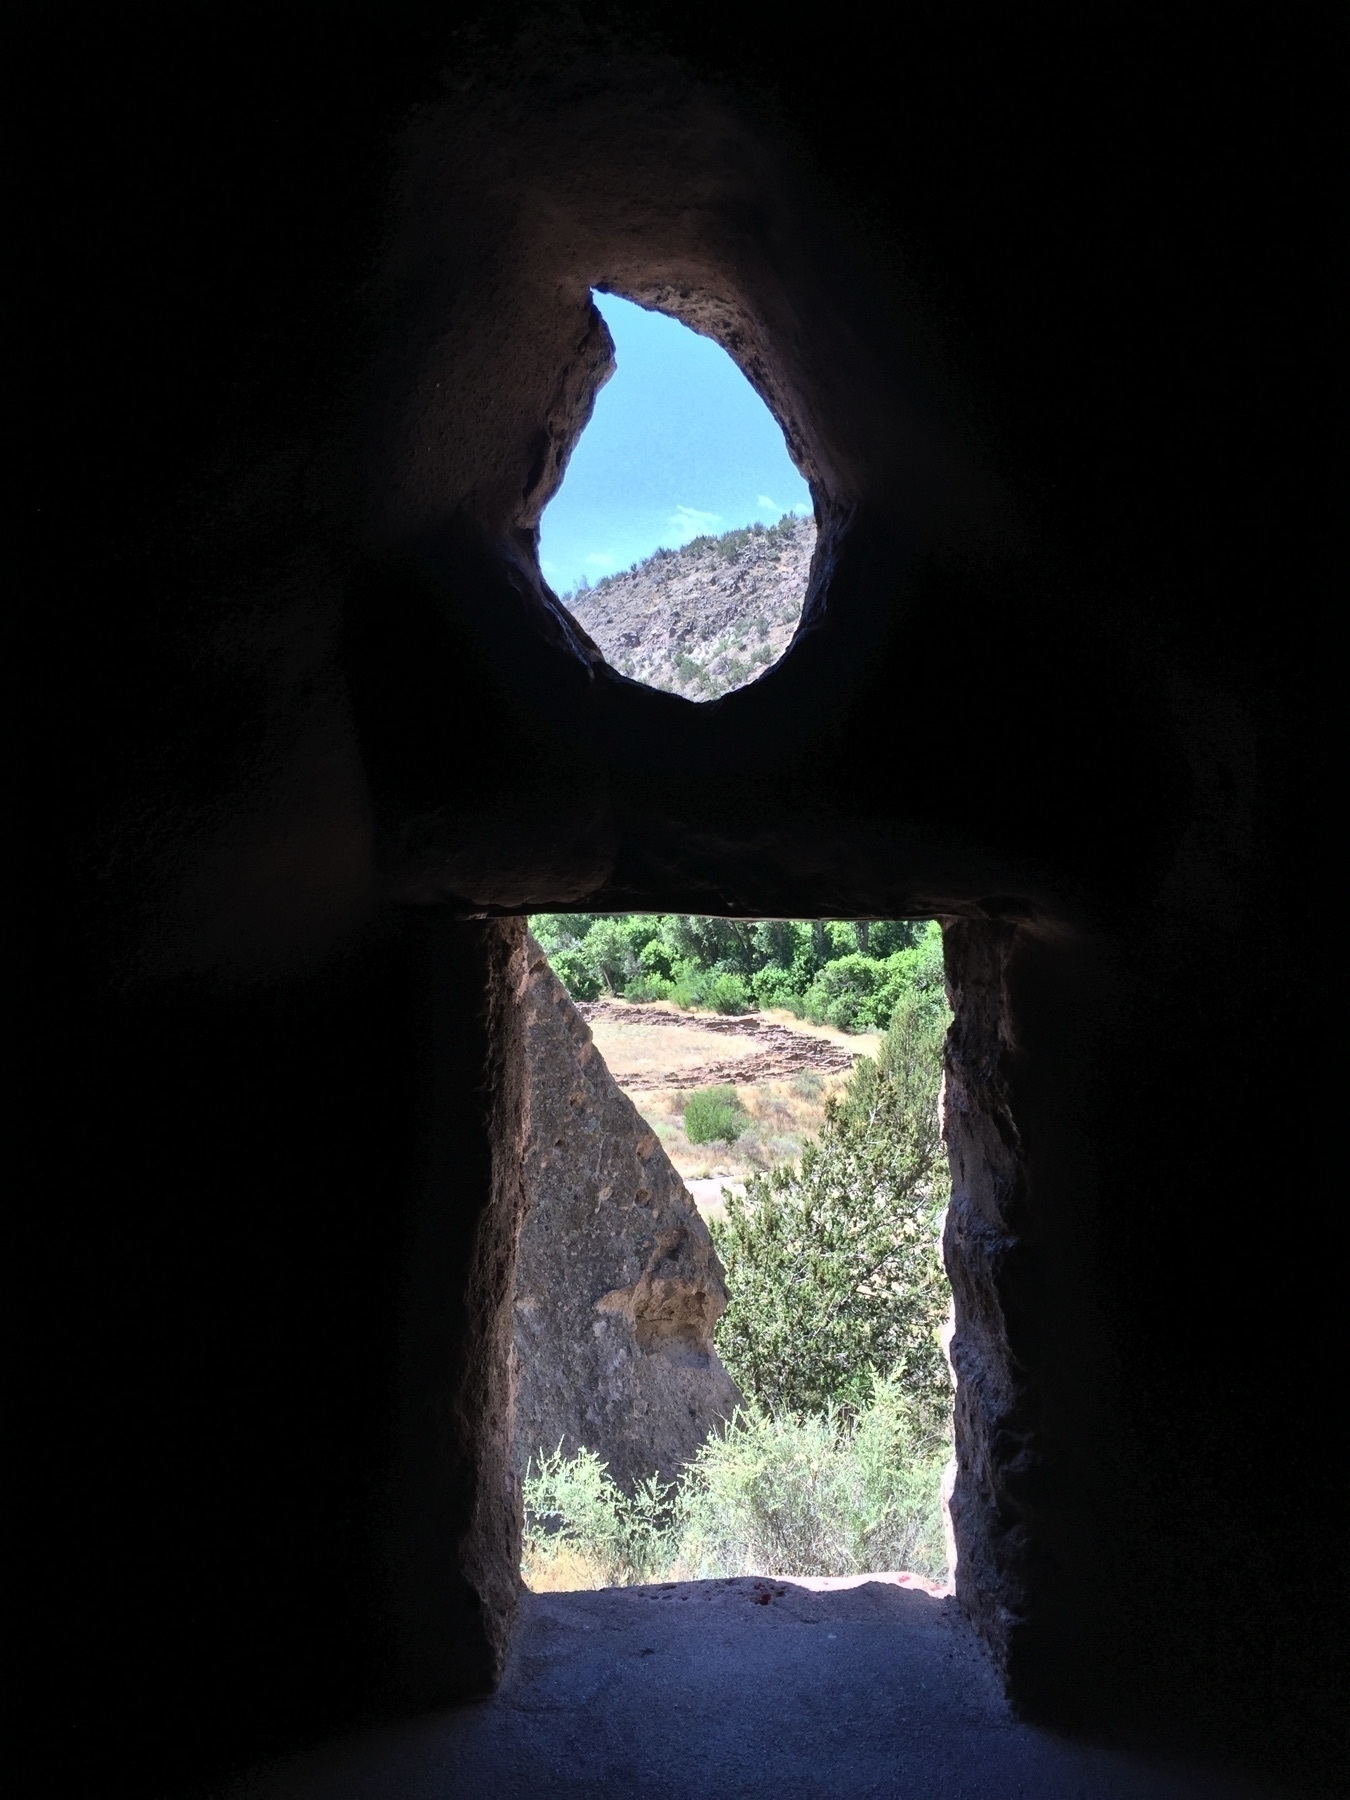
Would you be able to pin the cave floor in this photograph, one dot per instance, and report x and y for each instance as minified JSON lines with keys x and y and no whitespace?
{"x":737,"y":1688}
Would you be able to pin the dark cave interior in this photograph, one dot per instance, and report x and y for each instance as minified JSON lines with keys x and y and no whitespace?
{"x":310,"y":736}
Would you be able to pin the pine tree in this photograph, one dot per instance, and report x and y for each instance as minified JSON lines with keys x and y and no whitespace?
{"x":834,"y":1266}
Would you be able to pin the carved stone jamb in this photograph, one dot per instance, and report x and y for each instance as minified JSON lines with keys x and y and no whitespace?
{"x":995,"y":1399}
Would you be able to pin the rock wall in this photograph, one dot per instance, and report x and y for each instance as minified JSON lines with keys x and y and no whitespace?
{"x":617,"y":1283}
{"x":1041,"y":330}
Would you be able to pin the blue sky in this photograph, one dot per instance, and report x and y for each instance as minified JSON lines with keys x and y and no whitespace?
{"x":679,"y":444}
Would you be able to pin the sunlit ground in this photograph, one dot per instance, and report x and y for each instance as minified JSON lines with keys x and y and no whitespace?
{"x":784,"y":1112}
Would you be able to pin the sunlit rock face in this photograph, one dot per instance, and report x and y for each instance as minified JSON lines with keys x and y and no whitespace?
{"x":703,"y":620}
{"x":618,"y":1286}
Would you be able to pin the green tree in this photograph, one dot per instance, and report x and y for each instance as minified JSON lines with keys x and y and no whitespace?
{"x":889,"y":935}
{"x":612,"y":953}
{"x":861,"y":993}
{"x":811,"y":967}
{"x":712,"y":943}
{"x":833,"y":1266}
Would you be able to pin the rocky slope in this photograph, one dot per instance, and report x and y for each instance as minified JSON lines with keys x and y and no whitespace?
{"x":705,"y":619}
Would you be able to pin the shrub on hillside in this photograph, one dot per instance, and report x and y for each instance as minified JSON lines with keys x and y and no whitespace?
{"x":575,"y":971}
{"x":714,"y":1115}
{"x":646,"y":988}
{"x":583,"y":1530}
{"x":817,"y":1495}
{"x":846,"y":993}
{"x":767,"y":1495}
{"x":775,"y":987}
{"x":686,"y":988}
{"x":886,"y":936}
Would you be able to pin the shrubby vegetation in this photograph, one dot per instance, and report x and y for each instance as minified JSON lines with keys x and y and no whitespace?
{"x":838,"y":1493}
{"x":849,"y":975}
{"x":726,"y":547}
{"x":713,"y":1115}
{"x":833,"y":1493}
{"x":838,"y":1299}
{"x":582,"y":1529}
{"x":834,"y":1264}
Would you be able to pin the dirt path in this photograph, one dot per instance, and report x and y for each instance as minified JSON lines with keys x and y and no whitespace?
{"x":785,"y":1052}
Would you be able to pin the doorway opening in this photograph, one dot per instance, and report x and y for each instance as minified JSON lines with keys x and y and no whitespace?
{"x":731,"y":1311}
{"x":682,"y":536}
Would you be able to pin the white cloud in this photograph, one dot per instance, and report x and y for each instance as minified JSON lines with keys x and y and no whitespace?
{"x":800,"y":508}
{"x":600,"y":559}
{"x":690,"y":520}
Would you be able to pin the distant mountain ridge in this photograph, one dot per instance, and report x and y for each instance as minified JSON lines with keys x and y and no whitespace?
{"x":707,"y":618}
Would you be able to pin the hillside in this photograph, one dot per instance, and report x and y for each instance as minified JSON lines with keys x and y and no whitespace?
{"x":707,"y":618}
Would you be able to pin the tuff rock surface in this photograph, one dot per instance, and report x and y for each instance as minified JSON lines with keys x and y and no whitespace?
{"x":618,"y":1286}
{"x":1043,"y":325}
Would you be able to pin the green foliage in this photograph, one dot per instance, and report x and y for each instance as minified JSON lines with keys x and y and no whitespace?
{"x":857,"y":992}
{"x":817,"y":1495}
{"x":774,"y":987}
{"x":711,"y":944}
{"x":833,"y":1266}
{"x":595,"y":953}
{"x":768,"y":1495}
{"x":713,"y":1115}
{"x":838,"y":1294}
{"x":571,"y":1503}
{"x":726,"y":992}
{"x":731,"y":543}
{"x":576,"y":972}
{"x":848,"y":992}
{"x":886,"y":936}
{"x":817,"y":969}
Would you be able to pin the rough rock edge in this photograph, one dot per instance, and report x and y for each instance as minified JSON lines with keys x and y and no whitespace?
{"x":618,"y":1286}
{"x":994,"y":1399}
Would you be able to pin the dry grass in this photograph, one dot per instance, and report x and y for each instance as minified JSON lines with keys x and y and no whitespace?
{"x":783,"y":1113}
{"x":861,"y":1043}
{"x":560,"y":1569}
{"x":660,"y":1049}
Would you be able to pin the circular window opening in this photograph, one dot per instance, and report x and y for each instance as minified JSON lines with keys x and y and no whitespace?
{"x":682,"y":535}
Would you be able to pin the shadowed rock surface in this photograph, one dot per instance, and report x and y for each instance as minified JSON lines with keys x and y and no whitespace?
{"x":1039,"y":313}
{"x":750,"y":1688}
{"x":617,"y":1284}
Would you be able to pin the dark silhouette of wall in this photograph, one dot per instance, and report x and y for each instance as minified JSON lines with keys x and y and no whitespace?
{"x":1039,"y":318}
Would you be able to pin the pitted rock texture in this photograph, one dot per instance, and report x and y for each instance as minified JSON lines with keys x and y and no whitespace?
{"x":618,"y":1286}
